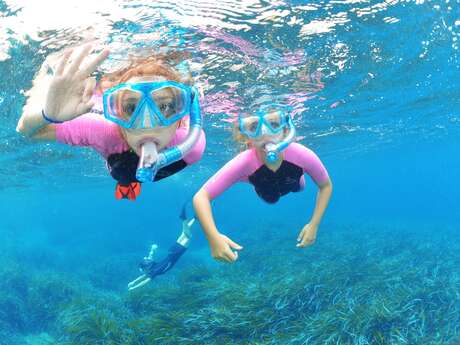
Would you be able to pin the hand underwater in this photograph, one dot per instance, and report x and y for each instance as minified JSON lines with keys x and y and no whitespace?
{"x":221,"y":249}
{"x":307,"y":236}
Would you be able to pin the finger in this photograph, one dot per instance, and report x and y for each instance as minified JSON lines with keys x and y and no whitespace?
{"x":84,"y":108}
{"x":75,"y":64}
{"x":301,"y":245}
{"x":230,"y":255}
{"x":222,"y":257}
{"x":95,"y":62}
{"x":306,"y":242}
{"x":299,"y":238}
{"x":89,"y":89}
{"x":234,"y":245}
{"x":63,"y":62}
{"x":300,"y":242}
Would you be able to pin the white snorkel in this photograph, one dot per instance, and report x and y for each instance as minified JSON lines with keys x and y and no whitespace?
{"x":273,"y":150}
{"x":151,"y":161}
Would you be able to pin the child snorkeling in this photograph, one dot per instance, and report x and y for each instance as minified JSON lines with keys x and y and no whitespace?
{"x":274,"y":165}
{"x":152,"y":123}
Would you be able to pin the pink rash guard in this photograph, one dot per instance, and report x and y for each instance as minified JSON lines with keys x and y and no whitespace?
{"x":269,"y":185}
{"x":95,"y":131}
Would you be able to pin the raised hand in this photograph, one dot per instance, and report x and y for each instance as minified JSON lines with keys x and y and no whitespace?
{"x":71,"y":88}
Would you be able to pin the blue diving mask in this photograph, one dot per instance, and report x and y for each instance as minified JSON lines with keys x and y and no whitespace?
{"x":270,"y":121}
{"x":147,"y":105}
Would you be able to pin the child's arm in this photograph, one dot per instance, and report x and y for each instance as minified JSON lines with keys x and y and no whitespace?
{"x":62,"y":96}
{"x":230,"y":173}
{"x":312,"y":165}
{"x":221,"y":246}
{"x":308,"y":234}
{"x":31,"y":123}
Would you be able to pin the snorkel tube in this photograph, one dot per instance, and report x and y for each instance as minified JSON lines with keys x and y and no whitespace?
{"x":273,"y":150}
{"x":151,"y":161}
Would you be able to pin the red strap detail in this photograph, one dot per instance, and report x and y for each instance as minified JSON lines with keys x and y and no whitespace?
{"x":130,"y":191}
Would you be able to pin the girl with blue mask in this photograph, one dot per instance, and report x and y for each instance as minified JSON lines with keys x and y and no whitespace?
{"x":274,"y":165}
{"x":143,"y":119}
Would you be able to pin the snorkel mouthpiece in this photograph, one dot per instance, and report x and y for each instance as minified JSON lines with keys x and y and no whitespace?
{"x":273,"y":150}
{"x":148,"y":162}
{"x":272,"y":154}
{"x":151,"y":161}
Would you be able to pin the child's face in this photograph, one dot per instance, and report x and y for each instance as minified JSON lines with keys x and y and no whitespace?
{"x":161,"y":136}
{"x":266,"y":136}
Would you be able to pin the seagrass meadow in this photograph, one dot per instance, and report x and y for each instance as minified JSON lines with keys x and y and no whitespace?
{"x":359,"y":285}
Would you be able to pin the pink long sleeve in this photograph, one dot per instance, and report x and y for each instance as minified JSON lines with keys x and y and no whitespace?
{"x":92,"y":130}
{"x":238,"y":169}
{"x":104,"y":136}
{"x":308,"y":161}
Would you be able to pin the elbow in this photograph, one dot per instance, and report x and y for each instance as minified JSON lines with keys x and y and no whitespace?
{"x":200,"y":197}
{"x":327,"y":186}
{"x":196,"y":198}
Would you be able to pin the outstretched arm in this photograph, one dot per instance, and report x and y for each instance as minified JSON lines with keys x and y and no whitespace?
{"x":203,"y":210}
{"x":221,"y":245}
{"x":31,"y":123}
{"x":308,"y":234}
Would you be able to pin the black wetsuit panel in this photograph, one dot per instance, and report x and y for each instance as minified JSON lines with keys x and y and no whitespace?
{"x":123,"y":166}
{"x":271,"y":185}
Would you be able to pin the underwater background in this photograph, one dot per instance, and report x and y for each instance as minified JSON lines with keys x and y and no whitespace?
{"x":374,"y":87}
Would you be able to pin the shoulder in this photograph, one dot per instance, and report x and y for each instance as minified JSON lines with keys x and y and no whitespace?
{"x":296,"y":152}
{"x":240,"y":165}
{"x":246,"y":158}
{"x":301,"y":155}
{"x":92,"y":130}
{"x":305,"y":158}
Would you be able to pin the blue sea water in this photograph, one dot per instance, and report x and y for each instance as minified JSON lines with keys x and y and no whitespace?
{"x":375,"y":89}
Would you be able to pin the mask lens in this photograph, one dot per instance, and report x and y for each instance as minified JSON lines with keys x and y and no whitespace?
{"x":250,"y":125}
{"x":274,"y":120}
{"x":123,"y":103}
{"x":170,"y":101}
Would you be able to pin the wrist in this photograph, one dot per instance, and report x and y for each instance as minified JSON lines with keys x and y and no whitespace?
{"x":314,"y":223}
{"x":213,"y":237}
{"x":48,"y":119}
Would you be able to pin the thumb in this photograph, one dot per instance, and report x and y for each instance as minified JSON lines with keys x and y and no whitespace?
{"x":234,"y":245}
{"x":299,"y":237}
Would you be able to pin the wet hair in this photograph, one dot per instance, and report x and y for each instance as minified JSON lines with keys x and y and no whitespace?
{"x":241,"y":139}
{"x":159,"y":64}
{"x":155,"y":65}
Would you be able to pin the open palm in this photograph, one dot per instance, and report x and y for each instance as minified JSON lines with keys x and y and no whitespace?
{"x":70,"y":90}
